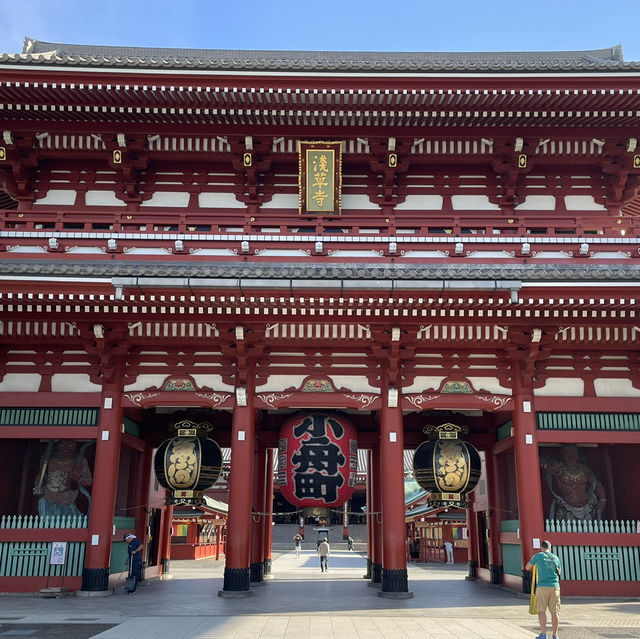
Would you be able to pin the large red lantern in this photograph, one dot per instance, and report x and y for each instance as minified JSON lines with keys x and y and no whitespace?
{"x":317,"y":460}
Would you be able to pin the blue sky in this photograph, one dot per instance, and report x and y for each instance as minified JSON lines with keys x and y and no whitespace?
{"x":350,"y":25}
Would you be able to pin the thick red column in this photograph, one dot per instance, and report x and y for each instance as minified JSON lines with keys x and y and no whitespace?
{"x":142,"y":493}
{"x":95,"y":574}
{"x":238,"y":548}
{"x":528,"y":481}
{"x":369,"y":510}
{"x":474,"y":542}
{"x":394,"y":556}
{"x":256,"y":566}
{"x":496,"y":507}
{"x":165,"y":552}
{"x":268,"y":508}
{"x":376,"y":517}
{"x":218,"y":541}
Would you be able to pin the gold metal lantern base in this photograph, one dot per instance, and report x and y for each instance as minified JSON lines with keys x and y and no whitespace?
{"x":186,"y":498}
{"x":447,"y":500}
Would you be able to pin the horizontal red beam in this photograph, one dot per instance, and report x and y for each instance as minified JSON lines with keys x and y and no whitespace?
{"x":43,"y":534}
{"x":588,"y":436}
{"x":49,"y":400}
{"x":48,"y":432}
{"x":592,"y":539}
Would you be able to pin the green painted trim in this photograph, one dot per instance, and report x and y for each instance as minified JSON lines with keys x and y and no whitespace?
{"x":119,"y":557}
{"x":49,"y":416}
{"x":32,"y":559}
{"x":505,"y":430}
{"x":131,"y":427}
{"x":588,"y":421}
{"x":512,"y":559}
{"x":124,"y":523}
{"x":599,"y":563}
{"x":509,"y":525}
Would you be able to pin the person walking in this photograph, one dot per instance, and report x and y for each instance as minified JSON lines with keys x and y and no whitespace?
{"x":448,"y":547}
{"x":135,"y":559}
{"x":297,"y":540}
{"x":323,"y":552}
{"x":349,"y":543}
{"x":548,"y":589}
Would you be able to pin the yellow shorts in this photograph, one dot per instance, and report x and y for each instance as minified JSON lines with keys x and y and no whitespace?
{"x":548,"y":598}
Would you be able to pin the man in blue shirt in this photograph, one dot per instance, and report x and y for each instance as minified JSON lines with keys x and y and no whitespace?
{"x":548,"y":589}
{"x":135,"y":559}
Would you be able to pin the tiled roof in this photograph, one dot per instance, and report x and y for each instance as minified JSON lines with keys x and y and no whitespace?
{"x":53,"y":53}
{"x":323,"y":271}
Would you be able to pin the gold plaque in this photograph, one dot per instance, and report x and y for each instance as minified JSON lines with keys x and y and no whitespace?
{"x":320,"y":177}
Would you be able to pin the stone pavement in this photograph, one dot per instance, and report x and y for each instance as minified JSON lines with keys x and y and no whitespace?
{"x":300,"y":602}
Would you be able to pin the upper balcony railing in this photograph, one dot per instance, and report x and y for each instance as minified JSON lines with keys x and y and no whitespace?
{"x":408,"y":234}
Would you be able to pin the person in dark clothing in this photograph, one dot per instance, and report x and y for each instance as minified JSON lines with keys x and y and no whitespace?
{"x":135,"y":559}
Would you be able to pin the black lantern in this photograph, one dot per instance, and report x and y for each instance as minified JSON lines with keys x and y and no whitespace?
{"x":188,"y":464}
{"x":446,"y":466}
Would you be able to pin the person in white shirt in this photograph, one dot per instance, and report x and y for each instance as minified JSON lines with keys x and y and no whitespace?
{"x":448,"y":547}
{"x":323,"y":553}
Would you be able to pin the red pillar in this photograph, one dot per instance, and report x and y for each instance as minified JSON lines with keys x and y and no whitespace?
{"x":142,"y":493}
{"x":165,"y":552}
{"x":369,"y":510}
{"x":474,"y":542}
{"x":376,"y":518}
{"x":496,"y":506}
{"x":528,"y":480}
{"x":268,"y":508}
{"x":95,"y":574}
{"x":218,"y":541}
{"x":256,"y":566}
{"x":394,"y":557}
{"x":236,"y":571}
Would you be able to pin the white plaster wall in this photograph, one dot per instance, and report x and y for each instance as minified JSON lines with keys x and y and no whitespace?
{"x":421,"y":384}
{"x":282,"y":201}
{"x":538,"y":203}
{"x":212,"y":381}
{"x":473,"y":202}
{"x":219,"y":201}
{"x":582,"y":203}
{"x":615,"y":388}
{"x":561,"y":387}
{"x":102,"y":198}
{"x":27,"y":249}
{"x":489,"y":384}
{"x":146,"y":381}
{"x":357,"y":383}
{"x":357,"y":201}
{"x":84,"y":250}
{"x":168,"y":198}
{"x":485,"y":255}
{"x":58,"y":197}
{"x":20,"y":382}
{"x":143,"y":250}
{"x":280,"y":382}
{"x":73,"y":383}
{"x":421,"y":203}
{"x":611,"y":255}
